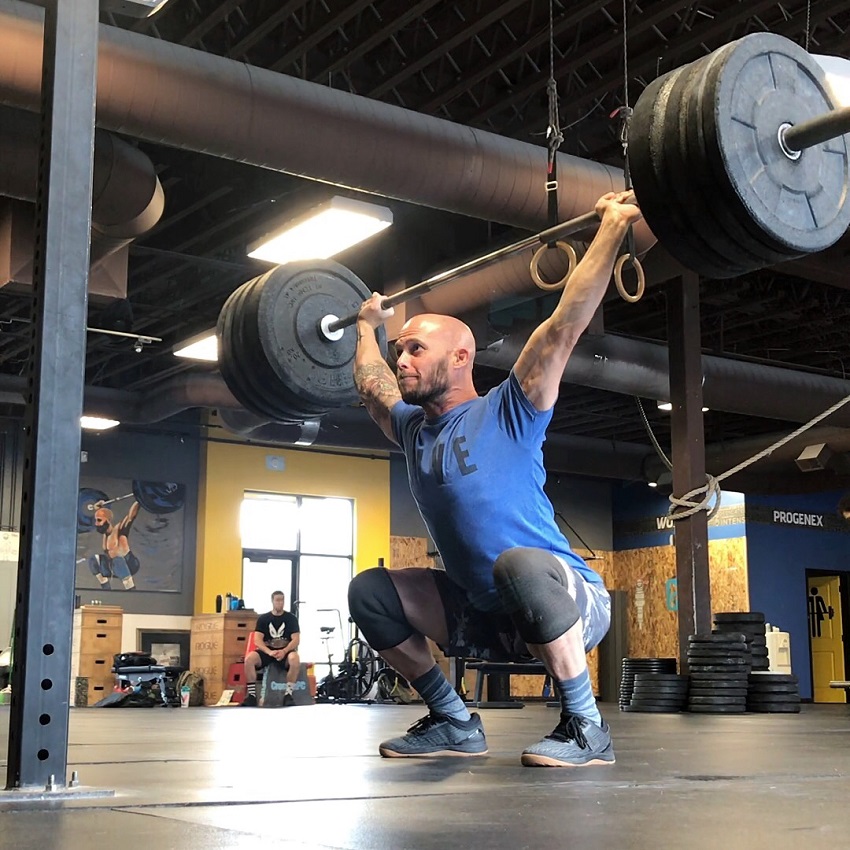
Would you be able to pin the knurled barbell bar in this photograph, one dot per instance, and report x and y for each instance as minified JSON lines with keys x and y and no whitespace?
{"x":738,"y":162}
{"x":156,"y":497}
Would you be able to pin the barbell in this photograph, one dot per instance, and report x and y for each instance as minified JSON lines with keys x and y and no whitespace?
{"x":156,"y":497}
{"x":738,"y":161}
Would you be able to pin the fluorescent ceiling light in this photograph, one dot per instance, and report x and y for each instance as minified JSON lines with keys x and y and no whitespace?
{"x":133,"y":8}
{"x":837,"y":70}
{"x":201,"y":347}
{"x":322,"y":232}
{"x":97,"y":423}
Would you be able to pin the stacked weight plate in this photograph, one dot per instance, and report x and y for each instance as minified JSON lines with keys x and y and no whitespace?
{"x":751,"y":625}
{"x":708,"y":169}
{"x":633,"y":666}
{"x":773,"y":693}
{"x":273,"y":355}
{"x":658,"y":693}
{"x":719,"y":666}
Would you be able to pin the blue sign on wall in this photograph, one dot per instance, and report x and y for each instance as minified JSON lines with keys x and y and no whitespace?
{"x":671,"y":594}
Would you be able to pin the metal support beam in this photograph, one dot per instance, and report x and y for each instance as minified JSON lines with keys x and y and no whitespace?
{"x":38,"y":733}
{"x":688,"y":439}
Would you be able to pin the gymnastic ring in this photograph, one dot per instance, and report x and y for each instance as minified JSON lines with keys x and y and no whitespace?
{"x":618,"y":278}
{"x":535,"y":261}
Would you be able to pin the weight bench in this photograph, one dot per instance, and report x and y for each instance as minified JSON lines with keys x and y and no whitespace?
{"x":498,"y":675}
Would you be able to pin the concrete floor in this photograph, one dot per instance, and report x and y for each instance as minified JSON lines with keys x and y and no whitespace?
{"x":310,"y":777}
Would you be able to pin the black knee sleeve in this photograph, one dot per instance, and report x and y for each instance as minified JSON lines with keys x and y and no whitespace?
{"x":376,"y":608}
{"x":532,"y":586}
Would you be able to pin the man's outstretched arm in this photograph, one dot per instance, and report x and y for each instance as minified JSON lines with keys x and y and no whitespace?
{"x":542,"y":361}
{"x":373,"y":378}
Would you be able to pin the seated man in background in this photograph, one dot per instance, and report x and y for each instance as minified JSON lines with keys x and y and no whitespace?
{"x":276,"y":638}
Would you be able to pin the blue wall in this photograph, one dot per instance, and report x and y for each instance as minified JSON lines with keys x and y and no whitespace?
{"x":640,"y":518}
{"x":778,"y":555}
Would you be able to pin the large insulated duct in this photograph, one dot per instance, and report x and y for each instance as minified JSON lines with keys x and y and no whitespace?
{"x":632,"y":367}
{"x":182,"y":392}
{"x":127,"y":197}
{"x":174,"y":95}
{"x":352,"y":427}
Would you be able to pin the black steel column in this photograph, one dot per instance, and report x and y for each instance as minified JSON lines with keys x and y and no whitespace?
{"x":688,"y":438}
{"x":38,"y":733}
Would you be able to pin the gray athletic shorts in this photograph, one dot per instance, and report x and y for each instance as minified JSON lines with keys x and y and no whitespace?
{"x":491,"y":636}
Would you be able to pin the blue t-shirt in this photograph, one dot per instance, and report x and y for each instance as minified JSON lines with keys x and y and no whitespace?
{"x":477,"y":475}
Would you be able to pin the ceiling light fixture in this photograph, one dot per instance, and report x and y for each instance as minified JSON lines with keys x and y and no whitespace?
{"x":837,"y":70}
{"x":668,"y":406}
{"x":133,"y":8}
{"x":322,"y":232}
{"x":97,"y":423}
{"x":202,"y":346}
{"x":662,"y":479}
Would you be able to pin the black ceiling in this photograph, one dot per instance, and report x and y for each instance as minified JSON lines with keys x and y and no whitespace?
{"x":483,"y":64}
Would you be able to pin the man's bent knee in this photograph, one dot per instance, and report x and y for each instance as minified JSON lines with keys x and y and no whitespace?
{"x":532,"y":586}
{"x":376,"y":608}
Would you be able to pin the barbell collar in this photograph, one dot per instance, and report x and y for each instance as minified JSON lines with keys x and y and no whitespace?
{"x":551,"y":234}
{"x":816,"y":131}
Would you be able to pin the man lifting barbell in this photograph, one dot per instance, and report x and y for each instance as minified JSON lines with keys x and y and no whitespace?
{"x":116,"y":559}
{"x":512,"y":586}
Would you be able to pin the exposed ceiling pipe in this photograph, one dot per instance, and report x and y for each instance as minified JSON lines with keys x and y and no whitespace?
{"x":509,"y":277}
{"x":127,"y":197}
{"x":182,"y":392}
{"x":169,"y":94}
{"x":346,"y":427}
{"x":352,"y":427}
{"x":623,"y":365}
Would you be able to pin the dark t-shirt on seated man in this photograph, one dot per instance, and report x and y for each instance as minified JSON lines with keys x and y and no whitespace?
{"x":277,"y":629}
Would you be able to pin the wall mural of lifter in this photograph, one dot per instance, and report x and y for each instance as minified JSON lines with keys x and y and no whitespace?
{"x":133,"y":541}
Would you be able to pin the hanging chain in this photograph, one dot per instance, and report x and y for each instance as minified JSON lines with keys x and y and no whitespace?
{"x":625,"y":114}
{"x":554,"y":135}
{"x":808,"y":21}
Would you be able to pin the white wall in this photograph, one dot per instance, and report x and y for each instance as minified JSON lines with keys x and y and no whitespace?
{"x":130,"y":641}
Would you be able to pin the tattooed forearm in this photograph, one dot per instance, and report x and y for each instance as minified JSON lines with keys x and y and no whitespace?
{"x":375,"y":381}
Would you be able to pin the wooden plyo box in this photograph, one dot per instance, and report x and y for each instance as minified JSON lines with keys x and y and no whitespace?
{"x":217,"y":641}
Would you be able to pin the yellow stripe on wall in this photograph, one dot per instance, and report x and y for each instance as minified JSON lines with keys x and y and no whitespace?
{"x":228,"y":470}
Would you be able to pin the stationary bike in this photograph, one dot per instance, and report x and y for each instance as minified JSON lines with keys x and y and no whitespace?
{"x":355,"y":675}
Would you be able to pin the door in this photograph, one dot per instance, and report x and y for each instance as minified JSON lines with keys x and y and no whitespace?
{"x":826,"y":634}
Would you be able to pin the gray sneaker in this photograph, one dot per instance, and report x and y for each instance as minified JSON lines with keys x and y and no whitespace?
{"x":437,"y":735}
{"x":575,"y":742}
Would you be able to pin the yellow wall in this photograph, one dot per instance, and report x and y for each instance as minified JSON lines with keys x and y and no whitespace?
{"x":228,"y":470}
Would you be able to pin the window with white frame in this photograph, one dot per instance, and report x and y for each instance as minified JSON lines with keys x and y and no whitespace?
{"x":304,"y":546}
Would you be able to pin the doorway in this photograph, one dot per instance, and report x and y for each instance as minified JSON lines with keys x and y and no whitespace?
{"x":826,"y":605}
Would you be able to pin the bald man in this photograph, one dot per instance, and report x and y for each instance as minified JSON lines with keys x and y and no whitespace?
{"x":512,"y":588}
{"x":116,"y":559}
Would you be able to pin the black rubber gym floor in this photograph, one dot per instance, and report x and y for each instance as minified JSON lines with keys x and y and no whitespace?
{"x":310,"y":777}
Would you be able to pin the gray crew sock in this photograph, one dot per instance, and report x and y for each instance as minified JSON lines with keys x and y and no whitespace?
{"x":577,"y":697}
{"x":439,"y":695}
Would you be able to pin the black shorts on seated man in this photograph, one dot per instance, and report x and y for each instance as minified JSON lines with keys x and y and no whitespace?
{"x":512,"y":586}
{"x":276,"y":638}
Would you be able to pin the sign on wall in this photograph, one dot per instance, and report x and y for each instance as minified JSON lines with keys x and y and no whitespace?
{"x":130,"y":535}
